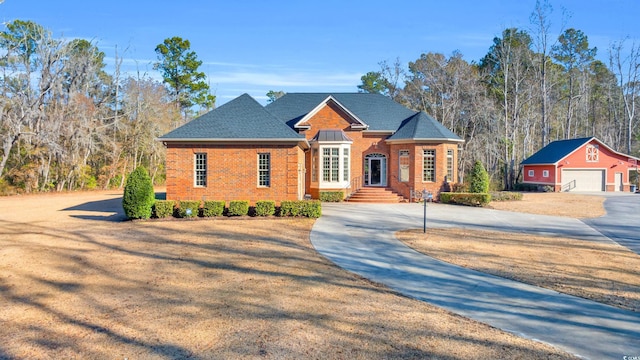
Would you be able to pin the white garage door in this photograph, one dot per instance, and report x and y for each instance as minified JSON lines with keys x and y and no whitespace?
{"x":583,"y":180}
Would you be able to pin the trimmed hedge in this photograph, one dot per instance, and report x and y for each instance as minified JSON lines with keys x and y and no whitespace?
{"x":163,"y":208}
{"x":331,"y":196}
{"x":138,"y":197}
{"x":506,"y":196}
{"x":265,"y":208}
{"x":469,"y":199}
{"x":238,"y":208}
{"x":212,"y":208}
{"x":188,"y":208}
{"x":306,"y":208}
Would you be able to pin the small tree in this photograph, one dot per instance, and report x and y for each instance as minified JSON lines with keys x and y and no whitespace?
{"x":479,"y":182}
{"x":139,"y":196}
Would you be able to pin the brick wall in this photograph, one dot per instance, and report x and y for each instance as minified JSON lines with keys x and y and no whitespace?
{"x":415,"y":169}
{"x":232,"y":172}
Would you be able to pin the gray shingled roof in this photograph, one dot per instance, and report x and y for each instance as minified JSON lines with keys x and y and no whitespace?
{"x":375,"y":110}
{"x":241,"y":118}
{"x":423,"y":127}
{"x":555,"y":151}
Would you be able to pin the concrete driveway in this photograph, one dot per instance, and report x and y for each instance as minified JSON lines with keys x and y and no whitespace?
{"x":622,"y":222}
{"x":360,"y":238}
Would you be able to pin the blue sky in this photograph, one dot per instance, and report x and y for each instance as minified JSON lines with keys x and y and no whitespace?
{"x":310,"y":46}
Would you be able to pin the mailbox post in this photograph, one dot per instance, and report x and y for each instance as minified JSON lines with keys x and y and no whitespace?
{"x":424,"y":220}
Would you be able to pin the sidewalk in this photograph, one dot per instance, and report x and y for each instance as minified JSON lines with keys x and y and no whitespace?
{"x":360,"y":238}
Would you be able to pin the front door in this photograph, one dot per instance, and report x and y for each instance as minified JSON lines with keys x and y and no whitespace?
{"x":375,"y":170}
{"x":618,"y":183}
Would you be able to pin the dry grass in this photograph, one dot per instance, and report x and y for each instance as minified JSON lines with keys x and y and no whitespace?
{"x":606,"y":273}
{"x":558,"y":204}
{"x":75,"y":285}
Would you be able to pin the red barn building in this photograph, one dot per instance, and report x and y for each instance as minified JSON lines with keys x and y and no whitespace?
{"x":584,"y":164}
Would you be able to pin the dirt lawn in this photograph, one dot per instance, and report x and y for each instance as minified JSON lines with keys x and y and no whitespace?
{"x":77,"y":282}
{"x":607,"y":273}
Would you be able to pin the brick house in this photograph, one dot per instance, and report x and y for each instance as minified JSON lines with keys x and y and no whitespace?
{"x":585,"y":164}
{"x":307,"y":143}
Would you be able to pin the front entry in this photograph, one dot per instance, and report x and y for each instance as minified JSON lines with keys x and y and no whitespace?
{"x":375,"y":170}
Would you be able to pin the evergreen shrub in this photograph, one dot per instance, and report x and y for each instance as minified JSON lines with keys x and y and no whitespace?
{"x":331,"y":196}
{"x":163,"y":208}
{"x":479,"y":179}
{"x":139,"y":197}
{"x":212,"y":208}
{"x":188,"y":208}
{"x":265,"y":208}
{"x":238,"y":208}
{"x":469,"y":199}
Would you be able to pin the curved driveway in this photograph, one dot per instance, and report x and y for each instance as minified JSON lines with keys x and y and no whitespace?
{"x":622,"y":221}
{"x":360,"y":238}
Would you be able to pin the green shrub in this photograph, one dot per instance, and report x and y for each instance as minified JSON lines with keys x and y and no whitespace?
{"x":479,"y":179}
{"x":469,"y":199}
{"x":138,"y":197}
{"x":331,"y":196}
{"x":188,"y":208}
{"x":265,"y":208}
{"x":459,"y":187}
{"x":163,"y":208}
{"x":289,"y":208}
{"x":310,"y":209}
{"x":212,"y":208}
{"x":238,"y":208}
{"x":505,"y":196}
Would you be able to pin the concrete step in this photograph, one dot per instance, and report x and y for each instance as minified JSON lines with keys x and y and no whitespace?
{"x":375,"y":195}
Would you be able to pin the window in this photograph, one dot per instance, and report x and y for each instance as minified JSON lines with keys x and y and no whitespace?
{"x":449,"y":165}
{"x":264,"y":170}
{"x":200,"y":172}
{"x":404,"y":165}
{"x":531,"y":173}
{"x":314,"y":164}
{"x":592,"y":153}
{"x":429,"y":165}
{"x":545,"y":173}
{"x":332,"y":169}
{"x":330,"y":164}
{"x":345,"y":164}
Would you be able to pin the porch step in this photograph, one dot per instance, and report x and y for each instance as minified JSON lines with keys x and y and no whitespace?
{"x":375,"y":195}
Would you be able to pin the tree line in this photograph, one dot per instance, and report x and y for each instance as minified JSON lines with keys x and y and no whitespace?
{"x":528,"y":90}
{"x":67,"y":124}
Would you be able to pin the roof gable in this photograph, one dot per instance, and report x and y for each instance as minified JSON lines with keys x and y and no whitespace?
{"x":377,"y":111}
{"x":351,"y":117}
{"x":421,"y":126}
{"x":243,"y":118}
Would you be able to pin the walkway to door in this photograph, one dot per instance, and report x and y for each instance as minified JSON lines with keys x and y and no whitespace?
{"x":360,"y":238}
